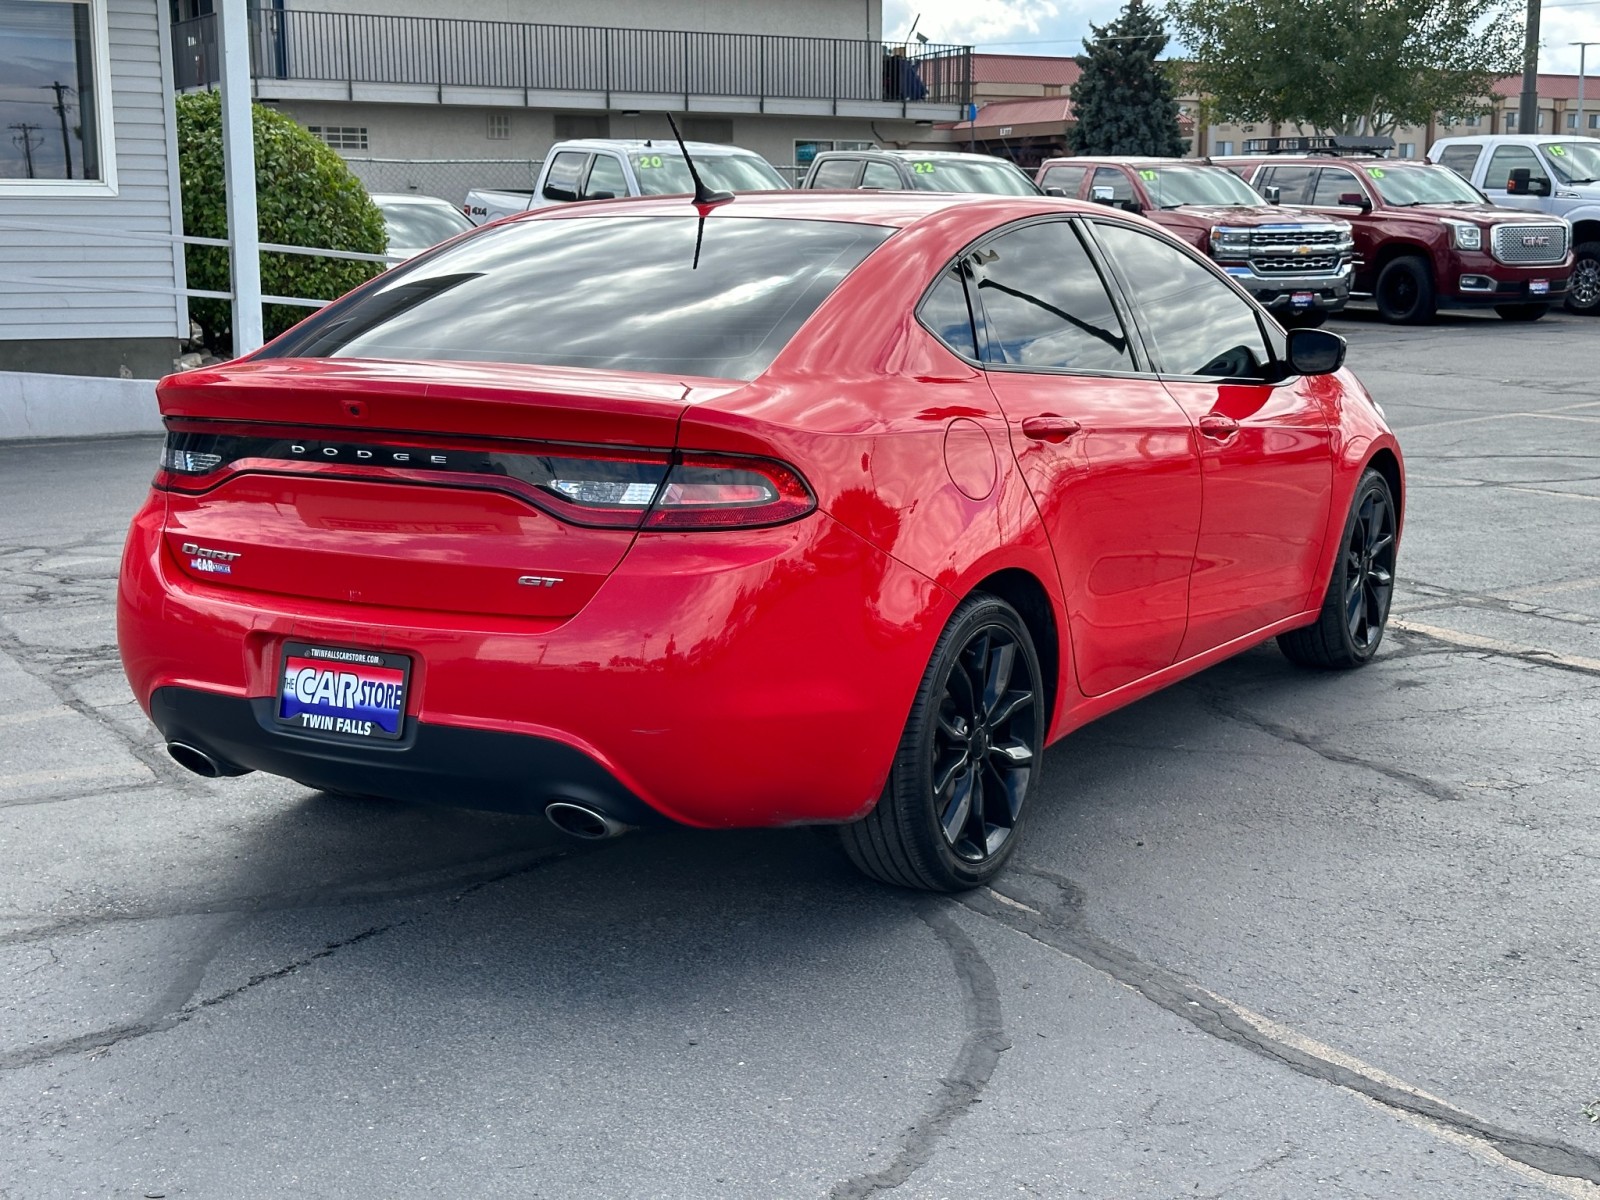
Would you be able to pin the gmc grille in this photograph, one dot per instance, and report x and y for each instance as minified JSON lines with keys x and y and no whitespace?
{"x":1530,"y":244}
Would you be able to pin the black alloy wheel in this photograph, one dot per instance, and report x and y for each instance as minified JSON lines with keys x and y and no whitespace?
{"x":1404,"y":292}
{"x":953,"y":810}
{"x":1583,"y":286}
{"x":1356,"y":608}
{"x":1521,"y":313}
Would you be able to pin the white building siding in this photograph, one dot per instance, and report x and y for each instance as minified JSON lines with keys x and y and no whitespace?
{"x":63,"y":283}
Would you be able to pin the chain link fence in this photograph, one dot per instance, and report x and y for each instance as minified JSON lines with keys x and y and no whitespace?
{"x":448,"y":178}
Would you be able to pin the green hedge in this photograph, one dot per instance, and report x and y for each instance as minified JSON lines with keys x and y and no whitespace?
{"x":305,"y":196}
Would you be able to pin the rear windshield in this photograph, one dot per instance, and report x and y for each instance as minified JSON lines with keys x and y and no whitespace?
{"x":664,"y":173}
{"x":611,"y":293}
{"x":966,"y":175}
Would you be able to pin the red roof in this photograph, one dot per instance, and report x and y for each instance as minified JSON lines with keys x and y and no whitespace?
{"x":1028,"y":110}
{"x":1552,"y":87}
{"x":1046,"y":70}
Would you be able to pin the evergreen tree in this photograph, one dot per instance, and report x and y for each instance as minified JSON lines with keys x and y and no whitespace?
{"x":1123,"y":101}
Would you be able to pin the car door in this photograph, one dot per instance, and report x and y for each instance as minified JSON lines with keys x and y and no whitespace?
{"x":606,"y":178}
{"x":1064,"y":181}
{"x":882,"y":177}
{"x":1265,"y":449}
{"x":1507,"y":159}
{"x":1324,"y":192}
{"x":836,"y":173}
{"x":1116,"y":180}
{"x":1108,"y":455}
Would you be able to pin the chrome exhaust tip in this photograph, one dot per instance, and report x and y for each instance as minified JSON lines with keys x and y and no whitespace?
{"x":201,"y":763}
{"x":583,"y":822}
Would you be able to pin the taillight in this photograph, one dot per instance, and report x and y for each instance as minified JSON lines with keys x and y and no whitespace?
{"x":583,"y":485}
{"x":704,"y":491}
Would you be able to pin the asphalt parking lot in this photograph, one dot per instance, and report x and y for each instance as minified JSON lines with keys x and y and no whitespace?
{"x":1273,"y":933}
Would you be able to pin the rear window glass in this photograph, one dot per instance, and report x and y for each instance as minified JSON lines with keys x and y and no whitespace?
{"x":611,"y":293}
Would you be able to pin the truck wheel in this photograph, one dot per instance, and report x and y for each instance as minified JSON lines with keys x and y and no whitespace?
{"x":1521,"y":312}
{"x":1405,"y":291}
{"x":1583,"y":291}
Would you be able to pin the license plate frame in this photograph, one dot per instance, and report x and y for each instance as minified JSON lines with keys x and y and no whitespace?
{"x":1538,"y":287}
{"x":324,"y":710}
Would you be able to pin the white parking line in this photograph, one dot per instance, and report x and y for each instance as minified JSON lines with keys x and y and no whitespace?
{"x":1475,"y":641}
{"x":1510,"y":416}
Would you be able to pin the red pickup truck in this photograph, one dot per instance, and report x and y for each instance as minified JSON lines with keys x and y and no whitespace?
{"x":1425,"y":238}
{"x":1296,"y":265}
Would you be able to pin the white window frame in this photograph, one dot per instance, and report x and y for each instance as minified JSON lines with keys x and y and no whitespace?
{"x":106,"y":185}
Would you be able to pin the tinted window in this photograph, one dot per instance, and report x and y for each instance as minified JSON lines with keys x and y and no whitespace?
{"x":945,"y":312}
{"x":881,"y":175}
{"x":1293,"y":183}
{"x":605,"y":176}
{"x":613,"y":293}
{"x":561,"y":180}
{"x":1199,"y":324}
{"x":1068,"y":179}
{"x":1461,"y":159}
{"x":1110,"y":177}
{"x":1045,"y":306}
{"x":836,"y":173}
{"x":1506,"y":160}
{"x":1332,"y":183}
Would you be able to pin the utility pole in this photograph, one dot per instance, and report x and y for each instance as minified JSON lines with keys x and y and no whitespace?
{"x":24,"y":139}
{"x":1583,"y":49}
{"x":60,"y":90}
{"x":1528,"y":111}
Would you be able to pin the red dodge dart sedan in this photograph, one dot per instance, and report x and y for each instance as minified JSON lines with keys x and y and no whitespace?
{"x":797,"y":508}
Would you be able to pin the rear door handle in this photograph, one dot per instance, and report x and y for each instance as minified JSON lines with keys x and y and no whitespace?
{"x":1049,"y":428}
{"x":1215,"y":425}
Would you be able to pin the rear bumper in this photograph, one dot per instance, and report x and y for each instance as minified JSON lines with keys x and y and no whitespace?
{"x":750,"y":678}
{"x":438,"y":764}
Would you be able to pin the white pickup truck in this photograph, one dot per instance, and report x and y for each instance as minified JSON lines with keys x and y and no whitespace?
{"x":1546,"y":173}
{"x":603,"y":168}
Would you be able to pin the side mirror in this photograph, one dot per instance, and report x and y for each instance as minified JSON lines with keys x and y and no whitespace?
{"x":560,"y":195}
{"x":1272,"y":194}
{"x":1054,"y":190}
{"x":1315,"y":352}
{"x":601,"y":196}
{"x":1523,"y":182}
{"x":1102,"y":195}
{"x":1355,"y":200}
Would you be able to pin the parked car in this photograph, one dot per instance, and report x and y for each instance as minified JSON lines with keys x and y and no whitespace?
{"x":918,"y":171}
{"x":605,"y":168}
{"x":417,"y":223}
{"x":803,"y":508}
{"x":1296,"y":267}
{"x":1556,"y":175}
{"x":1425,"y":238}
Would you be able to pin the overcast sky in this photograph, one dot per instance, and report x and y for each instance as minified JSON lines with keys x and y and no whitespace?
{"x":1058,"y":26}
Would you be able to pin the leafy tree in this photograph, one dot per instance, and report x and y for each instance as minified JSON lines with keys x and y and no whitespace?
{"x":1347,"y":66}
{"x":305,"y":196}
{"x":1123,"y":101}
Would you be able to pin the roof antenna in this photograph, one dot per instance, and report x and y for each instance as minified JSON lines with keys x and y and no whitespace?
{"x":703,"y":196}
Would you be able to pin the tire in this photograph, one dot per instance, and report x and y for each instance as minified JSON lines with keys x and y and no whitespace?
{"x":984,"y":751}
{"x":1521,"y":313}
{"x":1355,"y":610}
{"x":1405,"y":291}
{"x":1583,"y":286}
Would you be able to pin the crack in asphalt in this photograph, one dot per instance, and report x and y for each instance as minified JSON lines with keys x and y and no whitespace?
{"x":963,"y":1087}
{"x":1058,"y":923}
{"x":349,"y":894}
{"x":177,"y":1004}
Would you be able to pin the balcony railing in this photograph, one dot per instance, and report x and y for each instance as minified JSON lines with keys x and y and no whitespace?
{"x":445,"y":52}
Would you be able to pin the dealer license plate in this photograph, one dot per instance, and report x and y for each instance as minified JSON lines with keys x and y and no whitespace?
{"x":343,"y":692}
{"x":1538,"y":287}
{"x":1302,"y":299}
